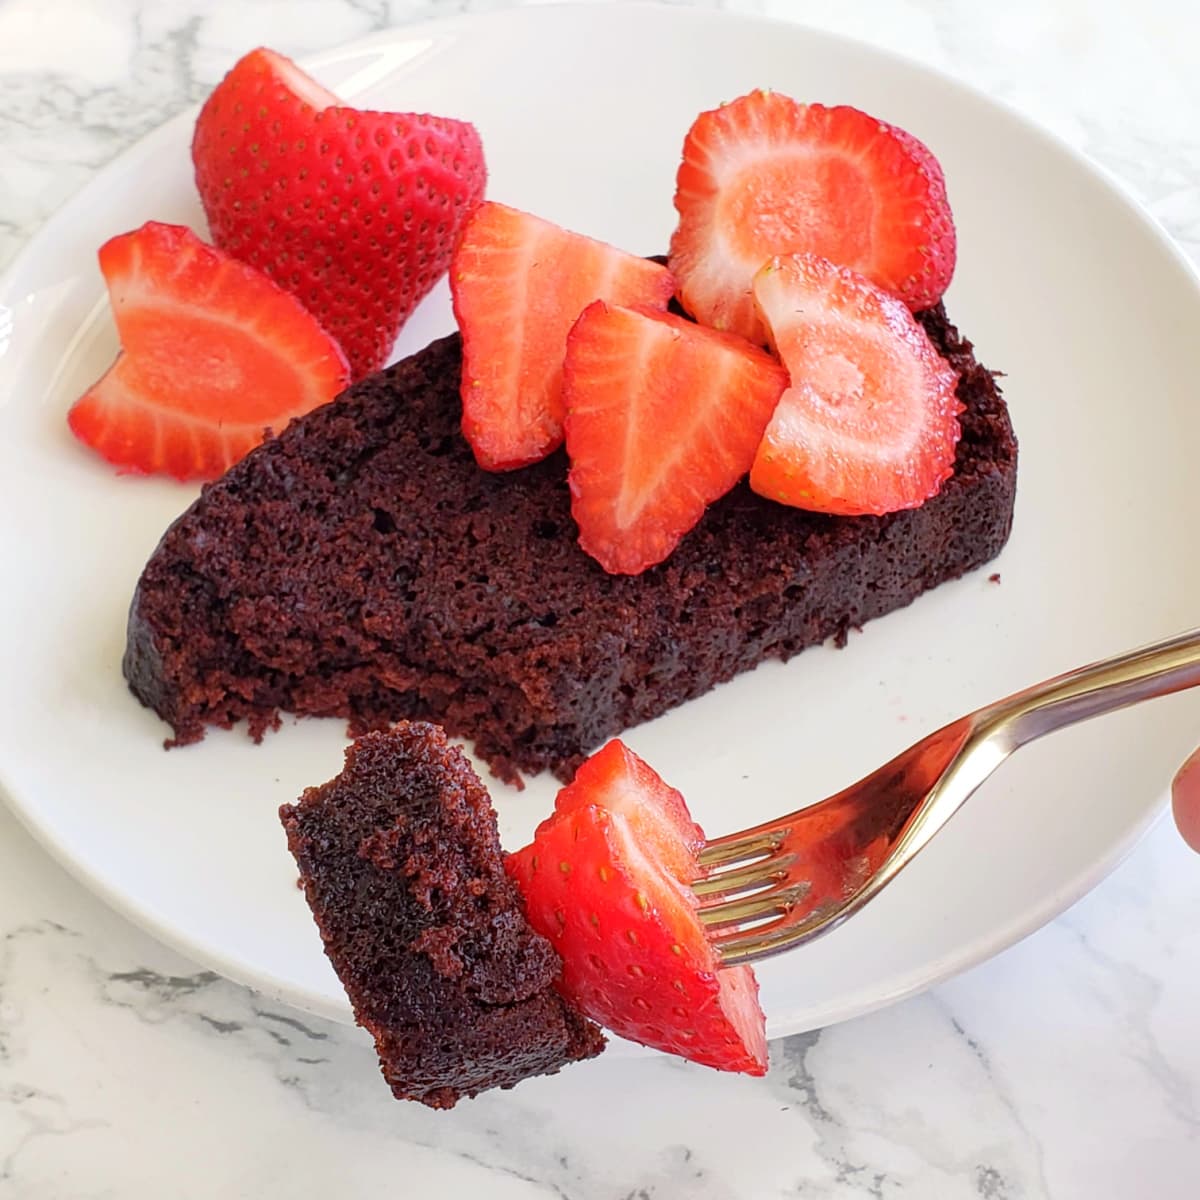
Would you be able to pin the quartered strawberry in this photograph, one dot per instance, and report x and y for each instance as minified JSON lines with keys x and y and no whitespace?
{"x":614,"y":778}
{"x":354,"y":212}
{"x":213,"y":357}
{"x":519,"y":283}
{"x":663,"y":417}
{"x":767,"y":175}
{"x":606,"y":880}
{"x":870,"y":421}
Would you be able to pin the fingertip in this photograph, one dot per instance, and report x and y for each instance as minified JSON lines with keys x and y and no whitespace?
{"x":1185,"y":800}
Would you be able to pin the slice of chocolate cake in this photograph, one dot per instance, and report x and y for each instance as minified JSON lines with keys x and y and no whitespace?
{"x":361,"y":565}
{"x":401,"y":865}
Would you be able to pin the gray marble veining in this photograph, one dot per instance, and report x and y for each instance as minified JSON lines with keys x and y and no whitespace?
{"x":1067,"y":1068}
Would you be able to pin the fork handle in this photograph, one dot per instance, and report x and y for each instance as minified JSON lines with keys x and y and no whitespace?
{"x":1103,"y":687}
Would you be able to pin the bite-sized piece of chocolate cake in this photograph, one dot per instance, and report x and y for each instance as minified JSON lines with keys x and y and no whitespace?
{"x":401,"y":864}
{"x":361,"y":565}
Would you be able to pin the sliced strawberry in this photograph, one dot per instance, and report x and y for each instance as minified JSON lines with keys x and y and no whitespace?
{"x":870,"y":422}
{"x":518,"y":284}
{"x":214,"y":356}
{"x":614,"y":778}
{"x":663,"y":418}
{"x":635,"y":955}
{"x":767,"y":175}
{"x":354,"y":212}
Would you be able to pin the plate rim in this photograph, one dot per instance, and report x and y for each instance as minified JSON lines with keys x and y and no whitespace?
{"x":1004,"y":936}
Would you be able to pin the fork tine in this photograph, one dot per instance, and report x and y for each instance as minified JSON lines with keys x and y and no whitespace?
{"x":741,"y":845}
{"x":727,"y":940}
{"x":778,"y":899}
{"x":749,"y":945}
{"x":759,"y":873}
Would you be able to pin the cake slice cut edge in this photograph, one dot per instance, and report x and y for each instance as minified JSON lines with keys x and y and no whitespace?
{"x":400,"y":862}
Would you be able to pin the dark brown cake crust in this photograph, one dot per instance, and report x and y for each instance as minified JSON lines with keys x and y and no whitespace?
{"x":360,"y":565}
{"x":401,"y":865}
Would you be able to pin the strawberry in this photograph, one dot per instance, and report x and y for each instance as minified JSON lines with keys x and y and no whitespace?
{"x":870,"y":422}
{"x":606,"y":880}
{"x":663,"y":418}
{"x":766,"y":175}
{"x":518,"y":284}
{"x":614,"y":778}
{"x":214,"y":356}
{"x":354,"y":212}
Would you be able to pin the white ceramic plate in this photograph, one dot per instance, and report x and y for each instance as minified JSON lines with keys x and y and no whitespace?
{"x":1062,"y":282}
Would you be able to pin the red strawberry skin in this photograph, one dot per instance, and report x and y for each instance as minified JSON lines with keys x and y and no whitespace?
{"x":635,"y":956}
{"x":518,"y":283}
{"x":354,"y":212}
{"x":214,"y":356}
{"x":663,"y":418}
{"x":766,"y":175}
{"x":869,"y":424}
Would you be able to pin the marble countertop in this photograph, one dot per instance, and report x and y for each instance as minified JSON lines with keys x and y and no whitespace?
{"x":1066,"y":1068}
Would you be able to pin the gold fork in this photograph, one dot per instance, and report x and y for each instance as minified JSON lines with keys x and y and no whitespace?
{"x":784,"y":883}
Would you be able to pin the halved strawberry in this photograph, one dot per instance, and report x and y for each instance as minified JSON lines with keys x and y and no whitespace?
{"x":870,"y":421}
{"x":767,"y":175}
{"x":518,"y":283}
{"x":354,"y":212}
{"x":214,"y":356}
{"x":617,"y":907}
{"x":663,"y":417}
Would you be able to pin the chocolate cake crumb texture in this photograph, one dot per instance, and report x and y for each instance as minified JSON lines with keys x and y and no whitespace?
{"x":400,"y":862}
{"x":362,"y":566}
